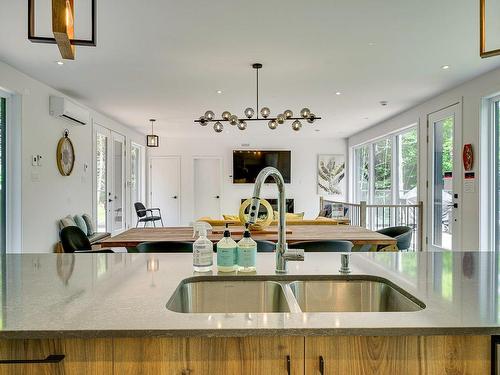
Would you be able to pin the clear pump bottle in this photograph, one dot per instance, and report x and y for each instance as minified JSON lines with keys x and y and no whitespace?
{"x":247,"y":252}
{"x":203,"y":249}
{"x":227,"y":253}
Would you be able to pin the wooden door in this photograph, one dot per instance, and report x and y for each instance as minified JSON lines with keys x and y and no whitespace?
{"x":209,"y":356}
{"x":165,"y":186}
{"x":409,"y":355}
{"x":81,"y":357}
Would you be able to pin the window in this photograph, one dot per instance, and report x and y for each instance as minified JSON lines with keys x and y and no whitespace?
{"x":408,"y":162}
{"x":101,"y":180}
{"x":382,"y":171}
{"x":137,"y":177}
{"x":362,"y":172}
{"x":386,"y":170}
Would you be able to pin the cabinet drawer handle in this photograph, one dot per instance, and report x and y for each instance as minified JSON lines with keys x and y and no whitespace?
{"x":321,"y":365}
{"x":52,"y":358}
{"x":288,"y":370}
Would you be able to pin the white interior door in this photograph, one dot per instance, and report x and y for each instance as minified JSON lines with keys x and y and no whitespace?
{"x":444,"y":179}
{"x":137,"y":180}
{"x":207,"y":187}
{"x":165,"y":179}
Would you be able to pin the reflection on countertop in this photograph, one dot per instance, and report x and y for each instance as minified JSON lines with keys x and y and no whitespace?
{"x":98,"y":295}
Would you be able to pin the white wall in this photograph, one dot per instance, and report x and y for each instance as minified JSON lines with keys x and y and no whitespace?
{"x":304,"y":158}
{"x":46,"y":195}
{"x":470,"y":95}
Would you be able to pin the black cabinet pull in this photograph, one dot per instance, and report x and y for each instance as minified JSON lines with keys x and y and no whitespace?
{"x":288,"y":370}
{"x":321,"y":365}
{"x":52,"y":358}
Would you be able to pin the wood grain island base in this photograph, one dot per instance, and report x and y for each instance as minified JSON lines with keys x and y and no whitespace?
{"x":294,"y":355}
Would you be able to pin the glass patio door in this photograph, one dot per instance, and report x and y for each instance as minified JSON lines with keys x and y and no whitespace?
{"x":444,"y":132}
{"x":109,"y":170}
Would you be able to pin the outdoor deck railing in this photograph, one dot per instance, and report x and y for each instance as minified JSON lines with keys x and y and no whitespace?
{"x":378,"y":216}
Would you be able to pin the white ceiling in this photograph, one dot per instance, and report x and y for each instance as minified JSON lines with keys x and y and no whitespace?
{"x":166,"y":59}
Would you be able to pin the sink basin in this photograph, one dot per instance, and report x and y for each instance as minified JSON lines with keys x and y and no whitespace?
{"x":363,"y":294}
{"x":228,"y":296}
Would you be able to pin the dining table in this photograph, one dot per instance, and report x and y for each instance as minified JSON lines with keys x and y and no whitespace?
{"x":294,"y":233}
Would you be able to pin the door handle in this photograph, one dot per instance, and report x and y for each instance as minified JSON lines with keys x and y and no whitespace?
{"x":110,"y":200}
{"x":52,"y":358}
{"x":217,"y":196}
{"x":288,"y":365}
{"x":321,"y":365}
{"x":455,"y":205}
{"x":175,"y":197}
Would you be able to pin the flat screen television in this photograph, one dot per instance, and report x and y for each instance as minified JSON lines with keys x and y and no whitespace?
{"x":248,"y":163}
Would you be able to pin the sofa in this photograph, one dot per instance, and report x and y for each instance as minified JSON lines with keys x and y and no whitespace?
{"x":86,"y":224}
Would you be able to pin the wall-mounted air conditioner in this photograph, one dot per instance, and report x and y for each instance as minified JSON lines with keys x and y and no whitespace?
{"x":68,"y":110}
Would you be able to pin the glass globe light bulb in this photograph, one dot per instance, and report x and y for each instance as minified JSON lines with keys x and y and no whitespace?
{"x":233,"y":120}
{"x":296,"y":125}
{"x":218,"y":127}
{"x":305,"y":112}
{"x":209,"y":115}
{"x":242,"y":125}
{"x":288,"y":113}
{"x":272,"y":124}
{"x":203,"y":121}
{"x":311,"y":118}
{"x":265,"y":112}
{"x":226,"y":115}
{"x":249,"y":112}
{"x":280,"y":119}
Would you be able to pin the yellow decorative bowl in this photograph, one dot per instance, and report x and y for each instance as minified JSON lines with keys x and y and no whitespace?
{"x":260,"y":224}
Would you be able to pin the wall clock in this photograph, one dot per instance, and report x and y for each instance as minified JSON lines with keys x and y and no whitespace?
{"x":65,"y":155}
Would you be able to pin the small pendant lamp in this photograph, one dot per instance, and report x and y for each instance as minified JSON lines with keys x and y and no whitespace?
{"x":152,"y":140}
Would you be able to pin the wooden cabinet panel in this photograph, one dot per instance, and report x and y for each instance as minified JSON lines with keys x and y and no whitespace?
{"x":82,"y":357}
{"x":359,"y":355}
{"x":209,"y":356}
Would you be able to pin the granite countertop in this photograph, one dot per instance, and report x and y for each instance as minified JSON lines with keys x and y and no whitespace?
{"x":119,"y":295}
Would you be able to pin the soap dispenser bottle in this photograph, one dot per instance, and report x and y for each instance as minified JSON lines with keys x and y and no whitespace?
{"x":247,"y":252}
{"x":227,"y":253}
{"x":203,"y":249}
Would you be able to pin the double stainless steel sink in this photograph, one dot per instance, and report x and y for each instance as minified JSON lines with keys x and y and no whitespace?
{"x":274,"y":294}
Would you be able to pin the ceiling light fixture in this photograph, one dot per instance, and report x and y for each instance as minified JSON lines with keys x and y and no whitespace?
{"x":273,"y":122}
{"x":219,"y":91}
{"x":59,"y":63}
{"x":338,"y":93}
{"x":152,"y":140}
{"x":445,"y":67}
{"x":62,"y":27}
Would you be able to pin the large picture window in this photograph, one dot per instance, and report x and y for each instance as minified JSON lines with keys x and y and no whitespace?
{"x":385,"y":170}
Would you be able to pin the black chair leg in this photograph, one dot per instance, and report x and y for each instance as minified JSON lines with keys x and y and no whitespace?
{"x":136,"y":225}
{"x":154,"y":223}
{"x":161,"y":219}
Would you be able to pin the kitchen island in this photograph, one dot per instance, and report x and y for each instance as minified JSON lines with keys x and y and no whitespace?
{"x":107,"y":313}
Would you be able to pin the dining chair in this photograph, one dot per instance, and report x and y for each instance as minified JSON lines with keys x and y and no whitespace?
{"x":165,"y":247}
{"x":336,"y":246}
{"x":401,"y":234}
{"x":145,"y":215}
{"x":265,"y":246}
{"x":73,"y":240}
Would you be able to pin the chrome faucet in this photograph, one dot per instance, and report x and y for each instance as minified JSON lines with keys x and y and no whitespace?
{"x":282,"y":253}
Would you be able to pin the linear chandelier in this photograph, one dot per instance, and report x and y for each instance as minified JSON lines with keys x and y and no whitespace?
{"x":273,"y":122}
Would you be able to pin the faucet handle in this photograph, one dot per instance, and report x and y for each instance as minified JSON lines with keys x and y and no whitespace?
{"x":294,"y":254}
